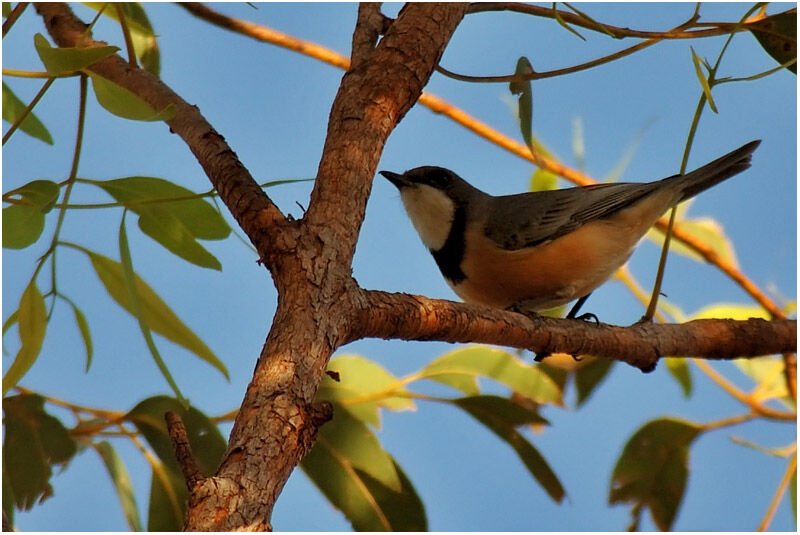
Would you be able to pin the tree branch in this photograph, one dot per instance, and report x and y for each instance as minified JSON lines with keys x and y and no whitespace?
{"x":253,"y":210}
{"x":413,"y":317}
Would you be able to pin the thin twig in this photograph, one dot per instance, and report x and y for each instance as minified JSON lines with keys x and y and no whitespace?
{"x":183,"y":450}
{"x":12,"y":18}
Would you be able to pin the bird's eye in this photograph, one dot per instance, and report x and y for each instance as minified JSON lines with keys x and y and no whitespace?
{"x":439,"y":177}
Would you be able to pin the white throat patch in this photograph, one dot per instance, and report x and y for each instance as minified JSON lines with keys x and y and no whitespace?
{"x":431,"y":211}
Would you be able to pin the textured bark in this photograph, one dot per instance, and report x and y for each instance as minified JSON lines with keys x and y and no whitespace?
{"x":320,"y":306}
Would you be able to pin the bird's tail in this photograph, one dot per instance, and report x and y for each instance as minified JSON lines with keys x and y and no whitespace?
{"x":715,"y":172}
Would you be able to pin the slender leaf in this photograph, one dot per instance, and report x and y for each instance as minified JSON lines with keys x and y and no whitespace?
{"x":121,"y":102}
{"x":502,"y":416}
{"x":653,"y":468}
{"x":498,"y":365}
{"x":701,"y":77}
{"x":122,"y":483}
{"x":160,"y":318}
{"x":525,"y":101}
{"x":133,"y":298}
{"x":63,"y":60}
{"x":543,"y":180}
{"x":360,"y":378}
{"x":33,"y":442}
{"x":32,"y":315}
{"x":13,"y":108}
{"x":562,"y":23}
{"x":86,"y":335}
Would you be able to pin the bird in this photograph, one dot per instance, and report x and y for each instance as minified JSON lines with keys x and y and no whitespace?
{"x":535,"y":251}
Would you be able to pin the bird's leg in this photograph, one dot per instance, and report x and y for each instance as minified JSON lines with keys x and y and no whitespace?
{"x":588,"y":316}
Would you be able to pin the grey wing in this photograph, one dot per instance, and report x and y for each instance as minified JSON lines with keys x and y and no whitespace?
{"x":528,"y":219}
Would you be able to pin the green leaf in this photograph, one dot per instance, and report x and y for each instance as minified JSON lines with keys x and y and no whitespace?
{"x":563,"y":24}
{"x":143,"y":37}
{"x":133,"y":298}
{"x":543,"y":180}
{"x":22,"y":226}
{"x":589,"y":375}
{"x":351,"y":484}
{"x":160,"y":318}
{"x":499,"y":365}
{"x":348,"y":438}
{"x":525,"y":101}
{"x":362,"y":378}
{"x":653,"y":468}
{"x":40,"y":194}
{"x":502,"y":416}
{"x":32,"y":315}
{"x":768,"y":373}
{"x":168,"y":497}
{"x":33,"y":442}
{"x":60,"y":61}
{"x":86,"y":335}
{"x":703,"y":80}
{"x":8,"y":492}
{"x":679,"y":368}
{"x":122,"y":483}
{"x":175,"y":224}
{"x":778,"y":35}
{"x":207,"y":443}
{"x":123,"y":103}
{"x":23,"y":221}
{"x":13,"y":108}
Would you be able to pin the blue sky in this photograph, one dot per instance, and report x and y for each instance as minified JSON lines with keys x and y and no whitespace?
{"x":272,"y":104}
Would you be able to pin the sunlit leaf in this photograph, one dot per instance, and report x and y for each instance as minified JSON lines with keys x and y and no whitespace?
{"x":525,"y":101}
{"x":122,"y":483}
{"x":499,"y":365}
{"x":59,"y":61}
{"x":653,"y":468}
{"x":701,"y":77}
{"x":123,"y":103}
{"x":13,"y":108}
{"x":503,"y":416}
{"x":778,"y":35}
{"x":360,"y":378}
{"x":32,"y":317}
{"x":160,"y":318}
{"x":33,"y":442}
{"x":543,"y":180}
{"x":735,"y":311}
{"x":351,"y":485}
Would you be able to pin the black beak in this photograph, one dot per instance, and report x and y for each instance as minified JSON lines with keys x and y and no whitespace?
{"x":399,"y":181}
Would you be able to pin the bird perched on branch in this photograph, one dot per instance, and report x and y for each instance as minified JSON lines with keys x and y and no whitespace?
{"x":538,"y":250}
